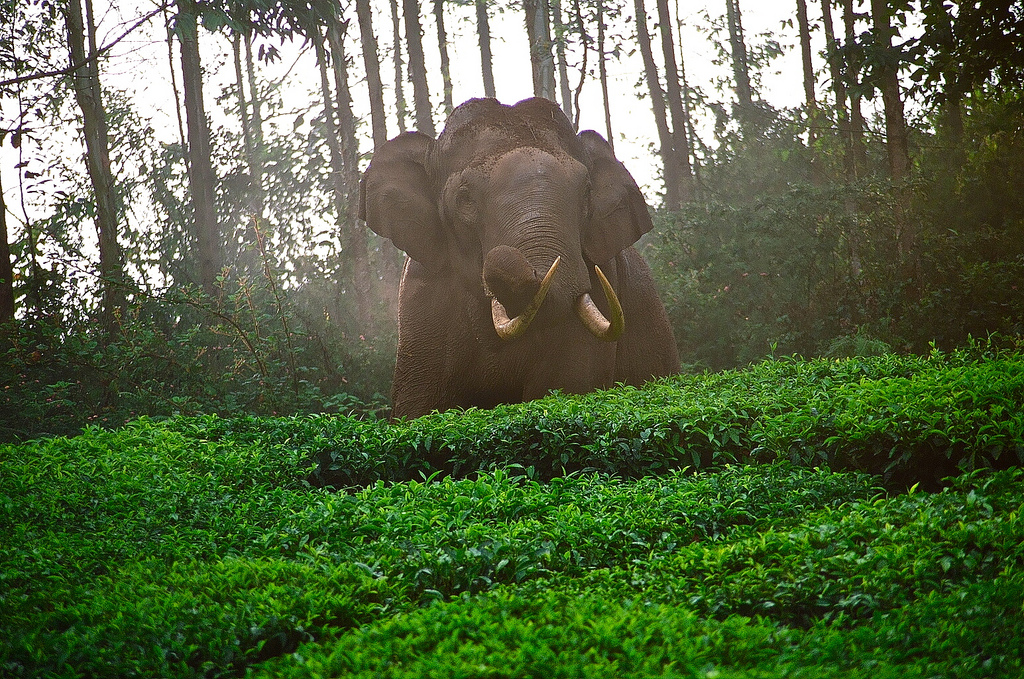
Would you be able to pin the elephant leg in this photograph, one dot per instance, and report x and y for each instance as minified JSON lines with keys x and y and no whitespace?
{"x":647,"y":347}
{"x":431,"y":354}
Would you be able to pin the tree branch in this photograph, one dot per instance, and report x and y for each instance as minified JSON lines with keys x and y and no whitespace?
{"x":93,"y":57}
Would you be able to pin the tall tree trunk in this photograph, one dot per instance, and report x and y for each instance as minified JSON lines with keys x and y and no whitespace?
{"x":680,"y":144}
{"x":951,"y":120}
{"x":563,"y":67}
{"x":6,"y":266}
{"x":442,"y":43}
{"x":371,"y":63}
{"x":353,"y":235}
{"x":542,"y":61}
{"x":252,"y":152}
{"x":838,"y":83}
{"x":400,"y":104}
{"x":740,"y":63}
{"x":243,"y":102}
{"x":895,"y":122}
{"x":483,"y":29}
{"x":581,"y":30}
{"x":808,"y":68}
{"x":602,"y":69}
{"x":89,"y":96}
{"x":673,"y":200}
{"x":853,"y":66}
{"x":896,"y":144}
{"x":201,"y":177}
{"x":174,"y":78}
{"x":389,"y":270}
{"x":418,"y":68}
{"x":845,"y":135}
{"x":687,"y":104}
{"x":255,"y":123}
{"x":339,"y":187}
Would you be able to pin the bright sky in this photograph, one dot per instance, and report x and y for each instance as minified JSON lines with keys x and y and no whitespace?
{"x":139,"y":65}
{"x":632,"y":120}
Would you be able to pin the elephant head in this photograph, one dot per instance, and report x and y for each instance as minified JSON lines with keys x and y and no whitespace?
{"x":508,"y":219}
{"x":513,"y":197}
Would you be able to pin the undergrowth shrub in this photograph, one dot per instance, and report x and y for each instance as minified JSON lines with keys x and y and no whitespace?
{"x":911,"y":419}
{"x":56,"y":378}
{"x":919,"y":585}
{"x":555,"y":633}
{"x":203,"y":546}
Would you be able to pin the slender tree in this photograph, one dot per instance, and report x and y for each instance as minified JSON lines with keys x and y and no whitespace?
{"x":680,"y":143}
{"x":542,"y":61}
{"x":248,"y":122}
{"x":94,"y":119}
{"x":340,"y":176}
{"x":687,"y":103}
{"x":353,"y":234}
{"x":202,"y":180}
{"x":581,"y":31}
{"x":842,"y":114}
{"x":256,"y":100}
{"x":804,"y":27}
{"x":417,"y":67}
{"x":896,"y":140}
{"x":371,"y":63}
{"x":858,"y":151}
{"x":602,"y":71}
{"x":740,"y":62}
{"x":834,"y":58}
{"x":6,"y":266}
{"x":169,"y":25}
{"x":888,"y":81}
{"x":669,"y":160}
{"x":483,"y":29}
{"x":561,"y":34}
{"x":400,"y":104}
{"x":442,"y":44}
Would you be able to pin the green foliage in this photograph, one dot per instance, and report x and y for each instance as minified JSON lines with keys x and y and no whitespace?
{"x":553,"y":633}
{"x":196,"y":546}
{"x":168,"y":359}
{"x":913,"y":419}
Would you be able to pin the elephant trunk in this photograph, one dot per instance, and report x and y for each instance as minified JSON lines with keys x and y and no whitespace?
{"x":517,"y":295}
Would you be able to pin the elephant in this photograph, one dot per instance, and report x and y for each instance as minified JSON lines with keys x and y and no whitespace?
{"x":520,"y":276}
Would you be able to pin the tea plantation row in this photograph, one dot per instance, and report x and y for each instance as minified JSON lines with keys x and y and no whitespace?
{"x":200,"y":547}
{"x":914,"y":419}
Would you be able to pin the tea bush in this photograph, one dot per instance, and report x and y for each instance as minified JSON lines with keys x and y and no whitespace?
{"x":912,"y":419}
{"x":565,"y":537}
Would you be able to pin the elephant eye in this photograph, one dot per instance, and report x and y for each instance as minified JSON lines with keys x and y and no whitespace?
{"x":465,"y":206}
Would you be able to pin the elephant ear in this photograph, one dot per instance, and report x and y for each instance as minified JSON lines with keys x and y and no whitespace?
{"x":619,"y":212}
{"x":396,"y":199}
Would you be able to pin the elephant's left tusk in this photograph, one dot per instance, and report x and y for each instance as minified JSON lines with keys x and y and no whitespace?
{"x":594,"y":321}
{"x":510,"y":328}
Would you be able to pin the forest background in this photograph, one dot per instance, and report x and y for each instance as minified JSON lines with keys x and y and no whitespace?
{"x":204,"y":255}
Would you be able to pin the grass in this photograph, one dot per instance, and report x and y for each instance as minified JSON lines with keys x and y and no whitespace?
{"x":569,"y":537}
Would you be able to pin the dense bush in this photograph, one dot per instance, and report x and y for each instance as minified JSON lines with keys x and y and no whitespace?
{"x":782,"y":253}
{"x":914,"y":419}
{"x":153,"y":551}
{"x":56,"y":378}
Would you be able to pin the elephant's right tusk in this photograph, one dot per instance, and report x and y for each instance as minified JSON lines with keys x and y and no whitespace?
{"x":510,"y":328}
{"x":594,"y":321}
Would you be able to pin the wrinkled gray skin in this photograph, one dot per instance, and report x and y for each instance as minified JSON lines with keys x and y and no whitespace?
{"x":483,"y":212}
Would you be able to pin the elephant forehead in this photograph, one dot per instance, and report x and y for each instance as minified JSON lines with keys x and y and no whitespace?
{"x":471,"y":146}
{"x":482,"y":143}
{"x":525,"y":163}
